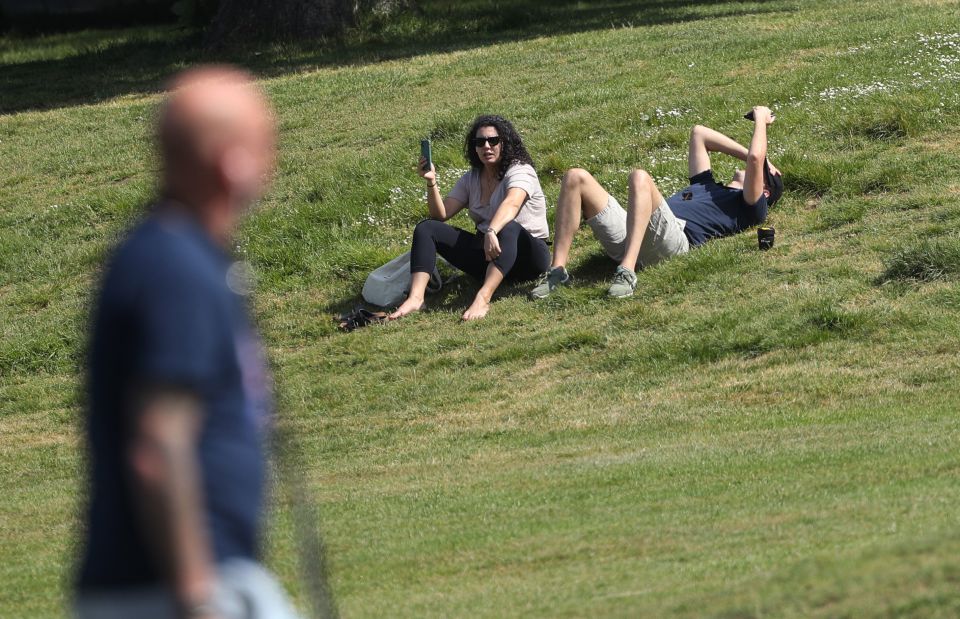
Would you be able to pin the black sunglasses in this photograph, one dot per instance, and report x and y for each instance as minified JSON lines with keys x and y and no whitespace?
{"x":479,"y":142}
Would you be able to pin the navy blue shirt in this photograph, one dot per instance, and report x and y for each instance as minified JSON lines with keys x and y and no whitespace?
{"x":712,"y":210}
{"x":169,"y":316}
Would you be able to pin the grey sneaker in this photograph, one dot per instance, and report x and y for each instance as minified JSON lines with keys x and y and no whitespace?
{"x":549,"y":281}
{"x":623,"y":284}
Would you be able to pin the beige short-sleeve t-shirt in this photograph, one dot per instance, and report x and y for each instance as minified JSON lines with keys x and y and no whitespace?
{"x":533,"y":211}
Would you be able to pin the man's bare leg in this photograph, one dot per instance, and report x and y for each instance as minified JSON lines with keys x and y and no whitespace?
{"x":644,"y":199}
{"x":414,"y":302}
{"x":580,"y":196}
{"x":481,"y":303}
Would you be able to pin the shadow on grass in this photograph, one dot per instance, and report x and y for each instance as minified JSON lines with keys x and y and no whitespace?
{"x":593,"y":270}
{"x":138,"y":63}
{"x":456,"y":295}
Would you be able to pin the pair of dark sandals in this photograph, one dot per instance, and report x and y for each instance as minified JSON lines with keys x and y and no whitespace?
{"x":360,"y":317}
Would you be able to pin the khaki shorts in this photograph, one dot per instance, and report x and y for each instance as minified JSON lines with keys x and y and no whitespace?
{"x":663,"y":239}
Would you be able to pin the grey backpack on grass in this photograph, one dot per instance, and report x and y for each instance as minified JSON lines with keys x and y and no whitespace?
{"x":389,"y":285}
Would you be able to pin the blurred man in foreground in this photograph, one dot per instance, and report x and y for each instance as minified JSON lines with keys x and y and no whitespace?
{"x":179,"y":391}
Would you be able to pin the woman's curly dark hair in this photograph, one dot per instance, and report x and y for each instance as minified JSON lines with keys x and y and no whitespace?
{"x":511,"y":146}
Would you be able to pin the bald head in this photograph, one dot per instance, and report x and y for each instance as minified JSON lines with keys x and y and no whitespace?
{"x":217,"y":140}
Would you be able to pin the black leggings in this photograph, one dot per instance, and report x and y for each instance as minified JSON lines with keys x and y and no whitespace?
{"x":522,"y":255}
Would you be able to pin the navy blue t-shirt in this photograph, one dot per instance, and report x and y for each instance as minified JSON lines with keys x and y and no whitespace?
{"x":168,"y":316}
{"x":712,"y":210}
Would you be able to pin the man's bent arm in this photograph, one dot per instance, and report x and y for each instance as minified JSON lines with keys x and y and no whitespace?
{"x":167,"y":487}
{"x":704,"y":140}
{"x":757,"y":155}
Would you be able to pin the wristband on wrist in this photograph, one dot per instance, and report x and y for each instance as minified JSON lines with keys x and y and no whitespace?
{"x":489,"y":230}
{"x":433,"y":185}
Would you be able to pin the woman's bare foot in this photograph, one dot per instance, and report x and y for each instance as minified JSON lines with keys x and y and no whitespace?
{"x":478,"y":309}
{"x":409,"y":306}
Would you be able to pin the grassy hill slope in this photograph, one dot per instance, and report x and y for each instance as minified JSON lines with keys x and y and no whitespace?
{"x":752,"y":435}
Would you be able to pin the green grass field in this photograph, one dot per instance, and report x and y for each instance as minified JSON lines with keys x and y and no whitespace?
{"x":752,"y":435}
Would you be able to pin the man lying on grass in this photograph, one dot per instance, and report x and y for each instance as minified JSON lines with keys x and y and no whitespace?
{"x":653,"y":228}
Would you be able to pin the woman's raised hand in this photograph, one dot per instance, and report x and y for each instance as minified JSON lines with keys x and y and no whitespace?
{"x":429,"y":174}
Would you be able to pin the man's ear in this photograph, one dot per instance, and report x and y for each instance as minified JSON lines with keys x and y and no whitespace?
{"x":237,"y":166}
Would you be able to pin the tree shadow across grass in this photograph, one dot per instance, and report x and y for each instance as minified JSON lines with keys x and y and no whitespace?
{"x":138,"y":61}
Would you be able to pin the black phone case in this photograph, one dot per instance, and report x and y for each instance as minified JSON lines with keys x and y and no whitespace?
{"x":425,"y":152}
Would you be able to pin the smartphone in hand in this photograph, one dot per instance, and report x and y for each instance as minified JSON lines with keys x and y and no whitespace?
{"x":426,"y":153}
{"x":749,"y":115}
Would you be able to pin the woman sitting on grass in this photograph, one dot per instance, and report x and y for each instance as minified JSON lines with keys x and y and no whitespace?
{"x":503,"y":197}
